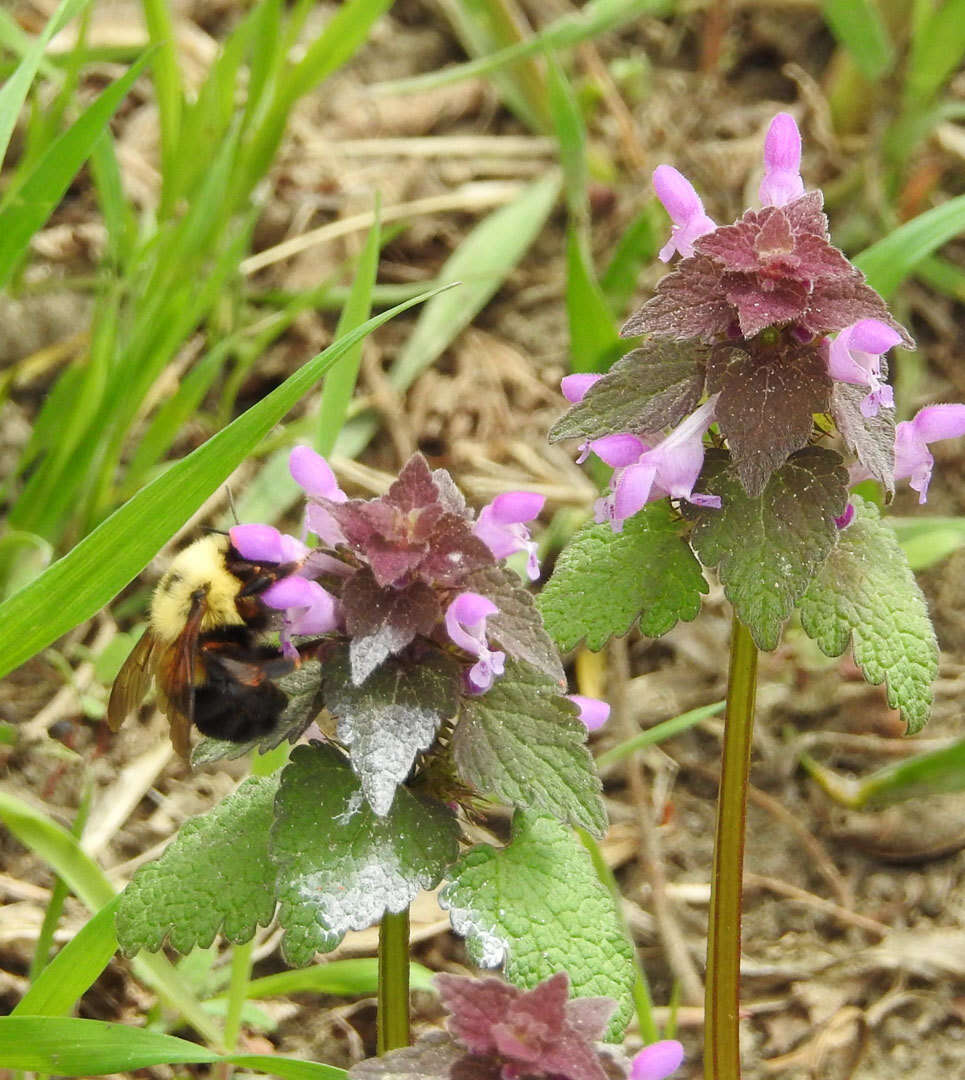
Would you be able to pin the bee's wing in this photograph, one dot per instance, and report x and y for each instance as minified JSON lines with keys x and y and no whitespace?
{"x":133,"y":680}
{"x":177,"y":671}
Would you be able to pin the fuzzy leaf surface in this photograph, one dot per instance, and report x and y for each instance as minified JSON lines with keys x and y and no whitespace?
{"x":432,"y":1058}
{"x":767,"y":549}
{"x":766,"y":405}
{"x":866,"y":593}
{"x":870,"y":438}
{"x":215,"y":875}
{"x":391,"y":717}
{"x":341,"y":866}
{"x":517,"y":628}
{"x":605,"y":581}
{"x":647,"y":390}
{"x":537,"y":907}
{"x":523,"y":743}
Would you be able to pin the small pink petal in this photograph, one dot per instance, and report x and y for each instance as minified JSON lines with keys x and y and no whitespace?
{"x":782,"y":181}
{"x":574,"y":387}
{"x":657,"y":1061}
{"x":265,"y":544}
{"x":593,"y":712}
{"x":314,"y":474}
{"x":683,"y":204}
{"x":618,"y":450}
{"x":516,"y":507}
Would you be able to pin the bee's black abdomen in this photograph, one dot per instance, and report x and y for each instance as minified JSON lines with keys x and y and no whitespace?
{"x":237,"y":712}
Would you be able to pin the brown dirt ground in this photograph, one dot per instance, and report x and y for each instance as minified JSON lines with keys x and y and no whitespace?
{"x":854,"y":934}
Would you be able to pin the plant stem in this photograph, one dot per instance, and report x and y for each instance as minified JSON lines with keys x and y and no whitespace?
{"x":237,"y":992}
{"x":722,"y":995}
{"x":393,"y":1016}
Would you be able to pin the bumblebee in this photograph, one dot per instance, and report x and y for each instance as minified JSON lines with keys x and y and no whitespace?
{"x":202,"y":649}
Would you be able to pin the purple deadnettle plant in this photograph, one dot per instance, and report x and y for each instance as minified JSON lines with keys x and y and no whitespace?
{"x":735,"y":430}
{"x":417,"y":666}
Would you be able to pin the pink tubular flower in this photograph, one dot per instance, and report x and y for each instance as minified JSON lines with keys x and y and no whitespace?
{"x":669,"y":468}
{"x":265,"y":544}
{"x":593,"y":712}
{"x":782,"y":181}
{"x":314,"y":475}
{"x":913,"y":460}
{"x":854,"y":356}
{"x":574,"y":387}
{"x":657,"y":1061}
{"x":308,"y":609}
{"x":686,"y":211}
{"x":501,"y":527}
{"x":466,"y":625}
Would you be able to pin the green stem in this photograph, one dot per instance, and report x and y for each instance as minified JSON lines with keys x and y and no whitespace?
{"x":237,"y":992}
{"x":722,"y":1000}
{"x":393,"y":1016}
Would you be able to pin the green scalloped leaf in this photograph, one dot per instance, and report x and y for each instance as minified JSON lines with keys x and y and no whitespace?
{"x":605,"y":581}
{"x":215,"y":875}
{"x":340,"y":866}
{"x":767,"y":549}
{"x":522,"y":742}
{"x":866,"y":594}
{"x":537,"y":907}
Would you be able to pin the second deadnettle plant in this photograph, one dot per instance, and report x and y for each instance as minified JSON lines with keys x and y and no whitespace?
{"x":735,"y":432}
{"x":442,"y":693}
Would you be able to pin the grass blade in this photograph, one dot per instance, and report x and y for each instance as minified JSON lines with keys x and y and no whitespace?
{"x":89,"y":576}
{"x":594,"y":18}
{"x":937,"y":50}
{"x":888,"y":262}
{"x":75,"y":969}
{"x":26,"y":209}
{"x":69,"y":1047}
{"x":348,"y":977}
{"x":858,"y":26}
{"x":340,"y":381}
{"x":14,"y":91}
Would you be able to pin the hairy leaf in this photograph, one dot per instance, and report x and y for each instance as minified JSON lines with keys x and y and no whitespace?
{"x":391,"y":717}
{"x":518,"y":628}
{"x":523,"y":743}
{"x":383,"y":620}
{"x":767,"y":549}
{"x":341,"y":866}
{"x":870,"y":438}
{"x":866,"y":594}
{"x":538,"y":907}
{"x":215,"y":875}
{"x":766,"y":405}
{"x":432,"y":1058}
{"x":649,"y":389}
{"x":605,"y":581}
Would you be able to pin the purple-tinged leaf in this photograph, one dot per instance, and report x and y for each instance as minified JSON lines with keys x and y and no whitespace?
{"x":340,"y":865}
{"x":647,"y":390}
{"x":528,"y":1030}
{"x":767,"y":400}
{"x":391,"y":717}
{"x":836,"y":304}
{"x":767,"y":549}
{"x":383,"y":620}
{"x":689,"y":304}
{"x":522,"y":742}
{"x":870,"y":438}
{"x":517,"y":628}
